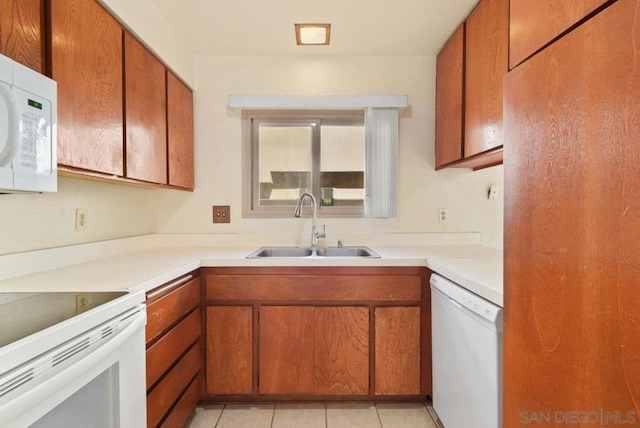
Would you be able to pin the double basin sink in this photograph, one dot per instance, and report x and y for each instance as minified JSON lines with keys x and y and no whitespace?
{"x":287,"y":252}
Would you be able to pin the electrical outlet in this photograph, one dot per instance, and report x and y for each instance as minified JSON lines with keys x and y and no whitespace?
{"x":82,"y":219}
{"x":221,"y":214}
{"x":493,"y":192}
{"x":443,"y":215}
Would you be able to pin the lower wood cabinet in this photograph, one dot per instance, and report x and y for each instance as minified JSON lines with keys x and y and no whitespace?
{"x":174,"y":352}
{"x":229,"y":350}
{"x":317,"y":333}
{"x":397,"y":339}
{"x":314,"y":350}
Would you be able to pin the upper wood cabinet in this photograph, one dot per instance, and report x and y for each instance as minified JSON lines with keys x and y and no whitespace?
{"x":22,"y":32}
{"x":534,"y":23}
{"x":146,"y":114}
{"x":449,"y":100}
{"x":86,"y":61}
{"x":572,"y":325}
{"x":180,"y":133}
{"x":486,"y":56}
{"x":121,"y":114}
{"x":469,"y":73}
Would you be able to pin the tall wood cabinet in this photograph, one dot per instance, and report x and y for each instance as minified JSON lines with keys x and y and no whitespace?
{"x":534,"y":23}
{"x":572,"y":225}
{"x":22,"y":32}
{"x":86,"y":61}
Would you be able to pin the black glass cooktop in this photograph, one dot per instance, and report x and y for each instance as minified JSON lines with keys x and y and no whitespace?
{"x":22,"y":314}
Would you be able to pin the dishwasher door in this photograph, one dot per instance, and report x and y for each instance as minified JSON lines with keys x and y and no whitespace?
{"x":467,"y":357}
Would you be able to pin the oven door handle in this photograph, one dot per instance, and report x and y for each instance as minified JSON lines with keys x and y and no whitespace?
{"x":29,"y":403}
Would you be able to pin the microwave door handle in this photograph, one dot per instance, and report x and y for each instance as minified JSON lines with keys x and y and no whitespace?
{"x":9,"y":146}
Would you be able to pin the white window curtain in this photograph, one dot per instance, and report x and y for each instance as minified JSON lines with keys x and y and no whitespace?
{"x":381,"y":181}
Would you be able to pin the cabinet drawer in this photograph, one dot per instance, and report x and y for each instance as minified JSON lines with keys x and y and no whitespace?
{"x":167,"y":310}
{"x":185,"y":405}
{"x":314,"y":287}
{"x":165,"y":394}
{"x":168,"y":349}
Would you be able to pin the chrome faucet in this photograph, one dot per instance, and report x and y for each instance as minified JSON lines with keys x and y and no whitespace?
{"x":314,"y":230}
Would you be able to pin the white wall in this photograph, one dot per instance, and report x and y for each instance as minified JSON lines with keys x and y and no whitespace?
{"x":422,"y":190}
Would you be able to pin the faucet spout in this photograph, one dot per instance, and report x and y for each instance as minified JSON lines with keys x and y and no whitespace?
{"x":298,"y":213}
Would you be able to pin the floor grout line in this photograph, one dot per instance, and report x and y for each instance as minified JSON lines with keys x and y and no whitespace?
{"x":220,"y":416}
{"x":378,"y":414}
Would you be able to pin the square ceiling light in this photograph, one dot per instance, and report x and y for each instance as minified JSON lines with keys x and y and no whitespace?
{"x":313,"y":34}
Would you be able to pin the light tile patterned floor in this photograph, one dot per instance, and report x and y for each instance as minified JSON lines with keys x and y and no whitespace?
{"x":314,"y":415}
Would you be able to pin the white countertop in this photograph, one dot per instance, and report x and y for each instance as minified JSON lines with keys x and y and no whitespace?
{"x":477,"y":268}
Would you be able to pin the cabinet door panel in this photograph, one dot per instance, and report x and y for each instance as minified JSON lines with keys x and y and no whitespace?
{"x":397,"y":339}
{"x":341,"y":350}
{"x":534,"y":23}
{"x":286,"y":349}
{"x":572,"y":331}
{"x":86,"y":61}
{"x":229,"y":350}
{"x":180,"y":132}
{"x":146,"y":122}
{"x":21,"y":32}
{"x":449,"y":96}
{"x":487,"y":38}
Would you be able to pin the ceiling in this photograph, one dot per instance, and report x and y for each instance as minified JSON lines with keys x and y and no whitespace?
{"x":358,"y":27}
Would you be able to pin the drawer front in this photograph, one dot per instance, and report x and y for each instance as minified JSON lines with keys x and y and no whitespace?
{"x":314,"y":287}
{"x":167,"y":310}
{"x":185,"y":405}
{"x":171,"y":346}
{"x":166,"y":393}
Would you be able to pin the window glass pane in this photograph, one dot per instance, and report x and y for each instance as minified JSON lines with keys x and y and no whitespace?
{"x":342,"y":164}
{"x":285,"y":162}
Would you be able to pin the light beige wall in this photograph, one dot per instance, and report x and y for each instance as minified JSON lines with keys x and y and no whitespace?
{"x":422,"y":190}
{"x":35,"y":221}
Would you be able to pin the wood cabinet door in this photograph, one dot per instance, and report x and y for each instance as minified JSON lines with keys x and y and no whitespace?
{"x":572,"y":324}
{"x":22,"y":32}
{"x":534,"y":23}
{"x":229,"y":350}
{"x":486,"y":58}
{"x":146,"y":115}
{"x":86,"y":61}
{"x":286,"y":349}
{"x":449,"y":97}
{"x":180,"y":133}
{"x":341,"y":350}
{"x":397,"y":351}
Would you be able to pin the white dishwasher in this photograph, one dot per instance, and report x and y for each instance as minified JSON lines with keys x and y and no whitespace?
{"x":467,"y":357}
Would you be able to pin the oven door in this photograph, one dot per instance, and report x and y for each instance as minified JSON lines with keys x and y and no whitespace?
{"x":94,"y":380}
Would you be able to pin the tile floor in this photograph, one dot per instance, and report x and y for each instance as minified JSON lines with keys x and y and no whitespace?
{"x":315,"y":415}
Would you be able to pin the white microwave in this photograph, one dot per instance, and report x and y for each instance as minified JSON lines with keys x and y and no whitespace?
{"x":28,"y":108}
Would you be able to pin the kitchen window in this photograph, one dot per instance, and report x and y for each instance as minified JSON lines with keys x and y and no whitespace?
{"x":292,"y":152}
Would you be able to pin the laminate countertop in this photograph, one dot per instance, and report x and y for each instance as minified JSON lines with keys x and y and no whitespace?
{"x":477,"y":268}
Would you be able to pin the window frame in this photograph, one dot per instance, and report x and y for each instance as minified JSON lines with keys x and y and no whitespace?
{"x":251,"y":120}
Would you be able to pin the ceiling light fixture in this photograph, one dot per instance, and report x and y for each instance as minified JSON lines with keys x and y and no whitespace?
{"x":313,"y":34}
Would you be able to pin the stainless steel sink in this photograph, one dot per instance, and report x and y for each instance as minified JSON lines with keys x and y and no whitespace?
{"x":280,"y":252}
{"x":347,"y":252}
{"x":287,"y":252}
